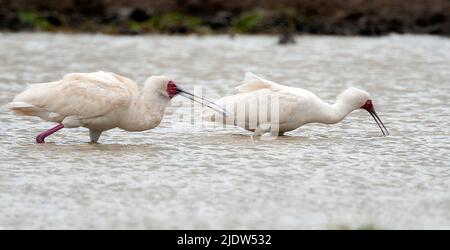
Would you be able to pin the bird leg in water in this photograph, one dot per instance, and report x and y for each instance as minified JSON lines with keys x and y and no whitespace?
{"x":94,"y":134}
{"x":266,"y":132}
{"x":262,"y":129}
{"x":41,"y":137}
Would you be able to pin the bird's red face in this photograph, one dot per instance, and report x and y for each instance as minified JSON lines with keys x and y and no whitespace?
{"x":172,"y":89}
{"x":371,"y":109}
{"x":368,"y":105}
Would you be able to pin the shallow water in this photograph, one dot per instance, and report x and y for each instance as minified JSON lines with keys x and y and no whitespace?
{"x":182,"y":177}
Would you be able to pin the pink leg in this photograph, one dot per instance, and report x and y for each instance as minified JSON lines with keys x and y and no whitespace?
{"x":41,"y":137}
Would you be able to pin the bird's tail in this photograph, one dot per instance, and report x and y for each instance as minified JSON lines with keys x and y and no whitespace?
{"x":23,"y":108}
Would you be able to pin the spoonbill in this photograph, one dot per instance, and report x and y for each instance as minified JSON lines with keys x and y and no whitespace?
{"x":100,"y":101}
{"x":294,"y":107}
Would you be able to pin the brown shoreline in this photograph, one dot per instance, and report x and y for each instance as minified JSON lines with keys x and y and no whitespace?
{"x":330,"y":17}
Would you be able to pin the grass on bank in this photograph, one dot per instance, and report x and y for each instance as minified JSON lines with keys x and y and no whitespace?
{"x":167,"y":23}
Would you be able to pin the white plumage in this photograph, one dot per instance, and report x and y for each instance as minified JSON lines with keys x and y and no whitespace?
{"x":264,"y":106}
{"x":98,"y":101}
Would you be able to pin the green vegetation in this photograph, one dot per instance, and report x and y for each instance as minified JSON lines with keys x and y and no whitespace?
{"x":352,"y":17}
{"x":249,"y":22}
{"x":34,"y":21}
{"x":175,"y":23}
{"x":170,"y":23}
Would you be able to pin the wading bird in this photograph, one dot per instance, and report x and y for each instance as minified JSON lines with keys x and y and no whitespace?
{"x":254,"y":107}
{"x":100,"y":101}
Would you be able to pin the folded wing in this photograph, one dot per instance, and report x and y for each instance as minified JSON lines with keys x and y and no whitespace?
{"x":253,"y":82}
{"x":84,"y":95}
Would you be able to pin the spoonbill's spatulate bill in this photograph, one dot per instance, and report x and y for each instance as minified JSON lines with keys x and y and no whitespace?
{"x":294,"y":107}
{"x":207,"y":103}
{"x":100,"y":101}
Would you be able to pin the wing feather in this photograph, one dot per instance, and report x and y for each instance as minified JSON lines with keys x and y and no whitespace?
{"x":81,"y":94}
{"x":253,"y":82}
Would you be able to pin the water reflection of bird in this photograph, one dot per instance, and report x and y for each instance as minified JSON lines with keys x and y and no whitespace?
{"x":263,"y":106}
{"x":99,"y":101}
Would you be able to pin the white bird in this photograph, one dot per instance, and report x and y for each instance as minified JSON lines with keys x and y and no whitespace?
{"x":263,"y":106}
{"x":98,"y":101}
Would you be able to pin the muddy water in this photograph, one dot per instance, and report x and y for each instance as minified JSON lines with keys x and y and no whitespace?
{"x":186,"y":177}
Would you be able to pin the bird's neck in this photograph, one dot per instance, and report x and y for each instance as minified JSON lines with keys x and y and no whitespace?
{"x":333,"y":113}
{"x":146,"y":111}
{"x":153,"y":104}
